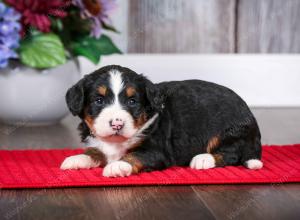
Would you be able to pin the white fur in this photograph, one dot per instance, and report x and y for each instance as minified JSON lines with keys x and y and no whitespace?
{"x":115,"y":151}
{"x":103,"y":128}
{"x":115,"y":110}
{"x":116,"y":84}
{"x":203,"y":161}
{"x":112,"y":151}
{"x":254,"y":164}
{"x":117,"y":168}
{"x":80,"y":161}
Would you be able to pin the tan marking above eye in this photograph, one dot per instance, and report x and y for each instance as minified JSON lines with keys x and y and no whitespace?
{"x":102,"y":90}
{"x":130,"y":91}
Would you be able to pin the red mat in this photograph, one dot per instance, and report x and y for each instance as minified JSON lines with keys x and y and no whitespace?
{"x":40,"y":169}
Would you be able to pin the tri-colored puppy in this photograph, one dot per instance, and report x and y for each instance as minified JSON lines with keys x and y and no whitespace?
{"x":132,"y":125}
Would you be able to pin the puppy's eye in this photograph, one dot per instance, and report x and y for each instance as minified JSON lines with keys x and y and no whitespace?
{"x":100,"y":101}
{"x":131,"y":102}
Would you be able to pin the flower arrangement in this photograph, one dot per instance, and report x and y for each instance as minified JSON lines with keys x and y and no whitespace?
{"x":44,"y":34}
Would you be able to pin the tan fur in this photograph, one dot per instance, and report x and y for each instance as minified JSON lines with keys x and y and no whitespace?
{"x":134,"y":162}
{"x":212,"y":144}
{"x":130,"y":91}
{"x":96,"y":155}
{"x":102,"y":90}
{"x":90,"y":122}
{"x":141,"y":120}
{"x":218,"y":160}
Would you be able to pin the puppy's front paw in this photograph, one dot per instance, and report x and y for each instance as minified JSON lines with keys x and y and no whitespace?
{"x":203,"y":161}
{"x":117,"y":168}
{"x":80,"y":161}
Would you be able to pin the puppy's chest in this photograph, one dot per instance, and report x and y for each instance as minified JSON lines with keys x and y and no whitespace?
{"x":112,"y":152}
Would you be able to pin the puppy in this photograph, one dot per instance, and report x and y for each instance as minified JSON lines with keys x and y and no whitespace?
{"x":132,"y":125}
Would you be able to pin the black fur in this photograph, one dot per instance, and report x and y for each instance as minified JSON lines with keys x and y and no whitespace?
{"x":190,"y":114}
{"x":196,"y":111}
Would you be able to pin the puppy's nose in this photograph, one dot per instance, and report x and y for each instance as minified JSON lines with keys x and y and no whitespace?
{"x":116,"y":124}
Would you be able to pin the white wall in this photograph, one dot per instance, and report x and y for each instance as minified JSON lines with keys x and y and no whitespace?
{"x":262,"y":80}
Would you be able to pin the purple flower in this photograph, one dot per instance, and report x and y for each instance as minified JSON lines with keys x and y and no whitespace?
{"x":9,"y":34}
{"x":98,"y":11}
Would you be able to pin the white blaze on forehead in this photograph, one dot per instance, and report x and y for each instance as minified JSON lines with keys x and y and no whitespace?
{"x":116,"y":84}
{"x":115,"y":110}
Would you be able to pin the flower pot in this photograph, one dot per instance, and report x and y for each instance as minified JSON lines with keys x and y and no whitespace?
{"x":35,"y":97}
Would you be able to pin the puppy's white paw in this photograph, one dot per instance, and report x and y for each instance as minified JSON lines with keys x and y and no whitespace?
{"x":203,"y":161}
{"x":117,"y":168}
{"x":80,"y":161}
{"x":254,"y":164}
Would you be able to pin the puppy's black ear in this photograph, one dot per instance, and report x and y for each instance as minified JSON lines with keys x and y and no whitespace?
{"x":154,"y":96}
{"x":75,"y":98}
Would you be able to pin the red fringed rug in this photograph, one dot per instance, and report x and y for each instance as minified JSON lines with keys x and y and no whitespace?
{"x":40,"y":169}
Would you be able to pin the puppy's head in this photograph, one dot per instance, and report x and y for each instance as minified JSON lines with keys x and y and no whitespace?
{"x":114,"y":102}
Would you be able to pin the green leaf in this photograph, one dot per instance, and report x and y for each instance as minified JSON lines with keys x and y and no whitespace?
{"x":42,"y":51}
{"x":93,"y":48}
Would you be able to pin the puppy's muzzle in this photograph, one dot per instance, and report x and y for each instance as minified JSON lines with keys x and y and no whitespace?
{"x":116,"y":124}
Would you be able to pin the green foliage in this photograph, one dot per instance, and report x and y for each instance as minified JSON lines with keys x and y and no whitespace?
{"x":93,"y":48}
{"x":42,"y":51}
{"x":70,"y":37}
